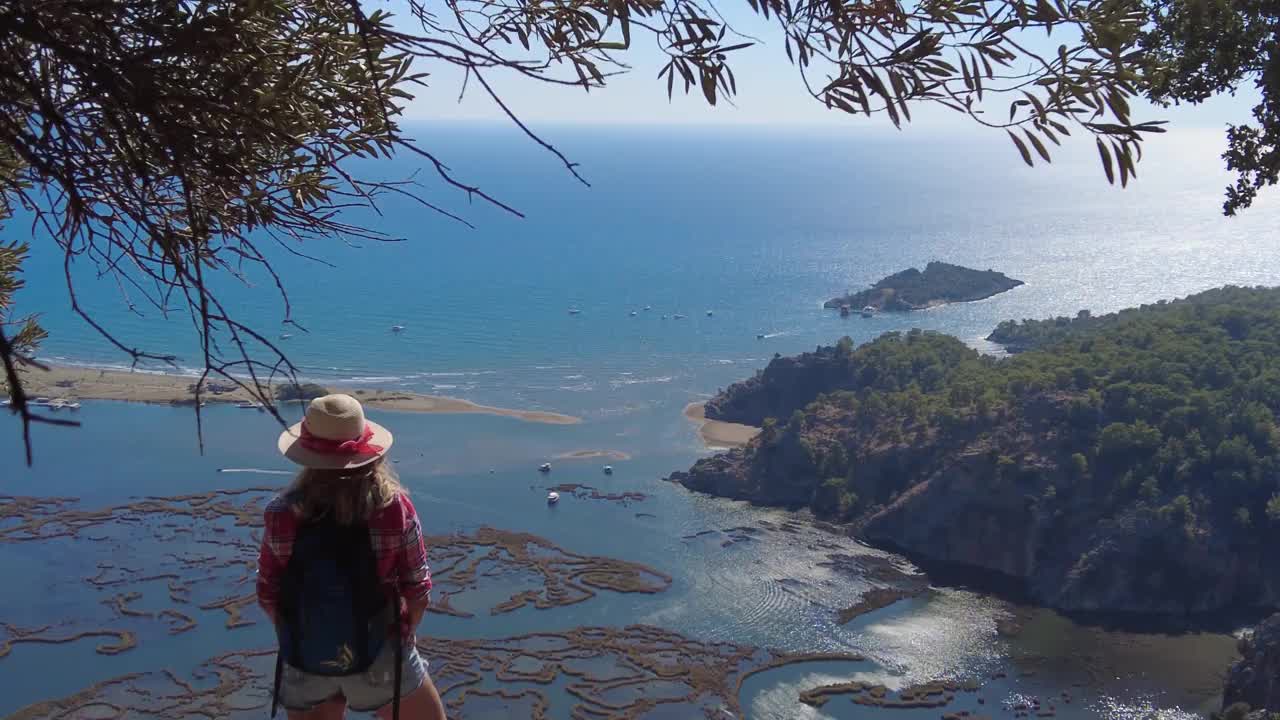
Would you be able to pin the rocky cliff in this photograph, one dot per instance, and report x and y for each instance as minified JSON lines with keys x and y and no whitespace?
{"x":1255,"y":679}
{"x":997,"y":500}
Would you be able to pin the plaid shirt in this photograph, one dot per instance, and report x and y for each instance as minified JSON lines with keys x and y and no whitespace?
{"x":395,"y":532}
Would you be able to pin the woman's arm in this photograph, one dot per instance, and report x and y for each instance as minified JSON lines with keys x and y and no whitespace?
{"x":417,"y":611}
{"x":278,"y":529}
{"x":415,"y":574}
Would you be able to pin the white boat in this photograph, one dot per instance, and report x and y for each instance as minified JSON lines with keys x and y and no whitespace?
{"x":868,"y":311}
{"x":285,"y":336}
{"x":633,"y":313}
{"x":647,"y":308}
{"x":553,"y":497}
{"x":544,"y":467}
{"x":249,"y":406}
{"x":574,"y":311}
{"x":709,"y":313}
{"x":608,"y":469}
{"x":760,"y":336}
{"x":397,"y":328}
{"x":678,"y":316}
{"x":45,"y":402}
{"x":4,"y":403}
{"x":60,"y":404}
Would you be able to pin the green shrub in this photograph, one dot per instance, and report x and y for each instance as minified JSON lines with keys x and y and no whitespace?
{"x":304,"y":391}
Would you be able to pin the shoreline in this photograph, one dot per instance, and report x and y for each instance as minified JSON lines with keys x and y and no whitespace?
{"x":718,"y":434}
{"x":80,"y":383}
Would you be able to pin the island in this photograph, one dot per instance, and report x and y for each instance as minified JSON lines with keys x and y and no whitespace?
{"x":1127,"y":465}
{"x":939,"y":284}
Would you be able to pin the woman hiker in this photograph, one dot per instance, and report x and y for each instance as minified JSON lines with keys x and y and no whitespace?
{"x":343,"y":575}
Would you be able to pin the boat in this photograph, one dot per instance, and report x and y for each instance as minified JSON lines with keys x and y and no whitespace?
{"x":285,"y":336}
{"x":608,"y":469}
{"x":553,"y":497}
{"x":709,"y":313}
{"x":397,"y":328}
{"x":4,"y":403}
{"x":844,"y":311}
{"x":868,"y":311}
{"x":633,"y":313}
{"x":55,"y":404}
{"x":544,"y":467}
{"x":574,"y":311}
{"x":678,"y":316}
{"x":647,"y":308}
{"x":249,"y":406}
{"x":60,"y":404}
{"x":760,"y":336}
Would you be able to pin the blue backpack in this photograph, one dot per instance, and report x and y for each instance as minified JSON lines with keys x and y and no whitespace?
{"x":335,"y":613}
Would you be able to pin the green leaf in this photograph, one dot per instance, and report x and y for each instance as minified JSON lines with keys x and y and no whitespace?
{"x":1039,"y":146}
{"x":1106,"y":161}
{"x":1022,"y":148}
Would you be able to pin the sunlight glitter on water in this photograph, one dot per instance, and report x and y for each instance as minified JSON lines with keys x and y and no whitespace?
{"x":948,"y":634}
{"x":1110,"y":708}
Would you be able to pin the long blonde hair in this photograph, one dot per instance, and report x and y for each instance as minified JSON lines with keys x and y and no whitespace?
{"x":349,"y":496}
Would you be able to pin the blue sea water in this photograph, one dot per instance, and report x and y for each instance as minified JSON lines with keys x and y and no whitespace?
{"x":756,"y":228}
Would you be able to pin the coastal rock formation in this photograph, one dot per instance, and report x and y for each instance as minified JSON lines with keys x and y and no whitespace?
{"x":939,"y":284}
{"x":1132,"y":470}
{"x":1255,"y":679}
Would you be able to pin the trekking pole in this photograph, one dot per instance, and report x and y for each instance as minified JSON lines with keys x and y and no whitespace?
{"x":395,"y":709}
{"x":275,"y":689}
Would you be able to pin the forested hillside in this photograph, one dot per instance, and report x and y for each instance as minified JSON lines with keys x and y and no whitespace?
{"x":1129,"y":463}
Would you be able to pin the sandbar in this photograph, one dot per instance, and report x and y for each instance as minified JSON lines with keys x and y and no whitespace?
{"x":593,"y":454}
{"x":78,"y":383}
{"x":717,"y":433}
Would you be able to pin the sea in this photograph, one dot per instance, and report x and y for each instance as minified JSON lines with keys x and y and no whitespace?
{"x":694,"y":256}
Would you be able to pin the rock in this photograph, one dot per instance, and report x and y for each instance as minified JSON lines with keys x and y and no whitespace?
{"x":1255,"y":678}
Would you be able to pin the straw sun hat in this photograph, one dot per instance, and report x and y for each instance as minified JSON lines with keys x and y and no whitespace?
{"x":335,"y":436}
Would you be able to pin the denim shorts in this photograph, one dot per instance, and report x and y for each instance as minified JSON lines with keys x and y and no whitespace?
{"x":365,"y":692}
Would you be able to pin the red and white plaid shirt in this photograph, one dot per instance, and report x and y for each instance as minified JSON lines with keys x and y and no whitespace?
{"x":396,"y":534}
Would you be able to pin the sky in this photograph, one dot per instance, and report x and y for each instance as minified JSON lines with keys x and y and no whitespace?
{"x":770,"y":94}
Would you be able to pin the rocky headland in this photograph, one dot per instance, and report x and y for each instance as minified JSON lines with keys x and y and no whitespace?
{"x":1130,"y":471}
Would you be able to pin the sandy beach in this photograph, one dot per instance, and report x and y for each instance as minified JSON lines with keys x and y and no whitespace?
{"x":716,"y":433}
{"x":75,"y":383}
